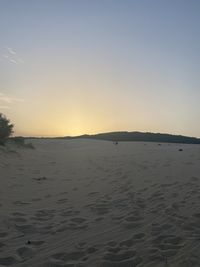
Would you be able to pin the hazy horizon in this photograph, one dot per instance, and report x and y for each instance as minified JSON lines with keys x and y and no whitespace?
{"x":96,"y":133}
{"x":83,"y":67}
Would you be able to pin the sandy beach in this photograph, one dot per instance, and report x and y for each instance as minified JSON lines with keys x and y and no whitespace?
{"x":88,"y":203}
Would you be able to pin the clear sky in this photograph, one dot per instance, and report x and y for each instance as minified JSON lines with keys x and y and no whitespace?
{"x":70,"y":67}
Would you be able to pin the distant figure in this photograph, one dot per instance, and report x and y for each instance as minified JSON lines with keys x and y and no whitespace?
{"x":116,"y":143}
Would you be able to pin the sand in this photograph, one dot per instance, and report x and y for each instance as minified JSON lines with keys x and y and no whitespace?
{"x":80,"y":203}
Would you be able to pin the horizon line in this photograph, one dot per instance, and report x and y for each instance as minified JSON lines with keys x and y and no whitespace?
{"x":97,"y":133}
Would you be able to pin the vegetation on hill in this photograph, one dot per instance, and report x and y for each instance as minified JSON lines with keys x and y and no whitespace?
{"x":144,"y":137}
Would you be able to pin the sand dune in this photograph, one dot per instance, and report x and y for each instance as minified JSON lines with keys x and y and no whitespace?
{"x":92,"y":203}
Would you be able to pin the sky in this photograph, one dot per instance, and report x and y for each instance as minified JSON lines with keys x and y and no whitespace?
{"x":71,"y":67}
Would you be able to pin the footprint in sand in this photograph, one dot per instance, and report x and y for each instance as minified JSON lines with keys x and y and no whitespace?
{"x":100,"y":208}
{"x":157,"y":228}
{"x":40,"y":179}
{"x":77,"y":223}
{"x":35,"y":243}
{"x":47,"y":196}
{"x":133,"y":221}
{"x":62,"y":200}
{"x":74,"y":258}
{"x":8,"y":261}
{"x":120,"y":257}
{"x":2,"y":245}
{"x":25,"y":253}
{"x":70,"y":212}
{"x":139,"y":237}
{"x":78,"y":220}
{"x":36,"y":199}
{"x":21,"y":203}
{"x":26,"y":228}
{"x":91,"y":250}
{"x":93,"y":194}
{"x":44,"y":215}
{"x":157,"y":197}
{"x":192,"y":226}
{"x":63,"y":193}
{"x":3,"y":234}
{"x":18,"y":217}
{"x":155,"y":258}
{"x":169,"y":245}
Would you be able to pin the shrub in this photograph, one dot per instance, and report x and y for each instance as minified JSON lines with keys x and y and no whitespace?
{"x":20,"y":141}
{"x":6,"y":129}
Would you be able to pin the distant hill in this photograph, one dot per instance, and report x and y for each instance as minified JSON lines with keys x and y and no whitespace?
{"x":140,"y":136}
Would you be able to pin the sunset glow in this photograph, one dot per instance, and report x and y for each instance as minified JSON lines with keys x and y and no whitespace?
{"x":78,"y":67}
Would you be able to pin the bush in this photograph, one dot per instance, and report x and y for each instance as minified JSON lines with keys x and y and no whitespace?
{"x":6,"y":129}
{"x":20,"y":142}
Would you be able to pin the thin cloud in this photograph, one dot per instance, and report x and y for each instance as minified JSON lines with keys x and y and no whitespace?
{"x":11,"y":51}
{"x":13,"y":61}
{"x":9,"y":99}
{"x":4,"y":107}
{"x":11,"y":56}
